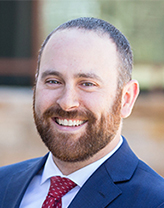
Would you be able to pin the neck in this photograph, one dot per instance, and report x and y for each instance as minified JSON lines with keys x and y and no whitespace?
{"x":69,"y":167}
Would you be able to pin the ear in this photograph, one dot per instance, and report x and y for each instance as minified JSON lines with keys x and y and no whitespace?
{"x":129,"y":96}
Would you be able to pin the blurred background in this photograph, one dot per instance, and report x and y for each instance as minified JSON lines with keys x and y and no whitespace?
{"x":25,"y":24}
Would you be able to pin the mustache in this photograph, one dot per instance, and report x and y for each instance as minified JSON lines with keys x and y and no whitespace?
{"x":59,"y":112}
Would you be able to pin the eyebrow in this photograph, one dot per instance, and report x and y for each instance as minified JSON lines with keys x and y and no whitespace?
{"x":88,"y":75}
{"x":79,"y":75}
{"x":50,"y":72}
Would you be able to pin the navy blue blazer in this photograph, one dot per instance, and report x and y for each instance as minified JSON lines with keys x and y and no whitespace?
{"x":122,"y":181}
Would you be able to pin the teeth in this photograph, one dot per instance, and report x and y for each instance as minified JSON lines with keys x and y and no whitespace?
{"x":65,"y":122}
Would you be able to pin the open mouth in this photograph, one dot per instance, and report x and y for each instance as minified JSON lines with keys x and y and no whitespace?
{"x":69,"y":122}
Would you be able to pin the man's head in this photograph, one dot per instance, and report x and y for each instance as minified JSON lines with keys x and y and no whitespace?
{"x":81,"y":93}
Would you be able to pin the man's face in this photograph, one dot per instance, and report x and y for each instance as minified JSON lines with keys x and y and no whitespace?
{"x":76,"y":101}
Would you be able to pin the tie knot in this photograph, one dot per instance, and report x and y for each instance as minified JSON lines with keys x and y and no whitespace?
{"x":60,"y":186}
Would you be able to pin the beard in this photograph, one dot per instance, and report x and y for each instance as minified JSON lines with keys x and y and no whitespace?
{"x":98,"y":133}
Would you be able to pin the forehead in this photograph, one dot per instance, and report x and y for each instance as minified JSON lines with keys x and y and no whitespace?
{"x":79,"y":37}
{"x":81,"y":49}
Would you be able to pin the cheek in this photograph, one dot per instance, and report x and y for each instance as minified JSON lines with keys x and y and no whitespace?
{"x":43,"y":100}
{"x":98,"y":104}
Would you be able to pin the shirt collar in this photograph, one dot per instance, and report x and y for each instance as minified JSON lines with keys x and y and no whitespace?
{"x":50,"y":168}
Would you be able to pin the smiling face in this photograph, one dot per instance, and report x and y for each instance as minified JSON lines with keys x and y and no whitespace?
{"x":76,"y":101}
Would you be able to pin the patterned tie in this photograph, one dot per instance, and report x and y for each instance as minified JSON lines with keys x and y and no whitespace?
{"x":58,"y":188}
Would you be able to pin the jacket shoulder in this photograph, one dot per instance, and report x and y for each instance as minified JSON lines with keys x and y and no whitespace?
{"x":150,"y":178}
{"x":145,"y":188}
{"x":9,"y":170}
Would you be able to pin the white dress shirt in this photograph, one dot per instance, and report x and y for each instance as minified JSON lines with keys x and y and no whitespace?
{"x":39,"y":186}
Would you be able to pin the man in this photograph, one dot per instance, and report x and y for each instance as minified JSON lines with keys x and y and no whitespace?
{"x":83,"y":91}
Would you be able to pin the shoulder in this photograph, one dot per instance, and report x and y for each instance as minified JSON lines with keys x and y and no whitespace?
{"x":147,"y":176}
{"x":145,"y":187}
{"x":149,"y":185}
{"x":17,"y":176}
{"x":9,"y":170}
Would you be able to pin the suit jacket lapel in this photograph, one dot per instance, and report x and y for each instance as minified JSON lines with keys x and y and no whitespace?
{"x":98,"y":191}
{"x":122,"y":164}
{"x":101,"y":188}
{"x":20,"y":181}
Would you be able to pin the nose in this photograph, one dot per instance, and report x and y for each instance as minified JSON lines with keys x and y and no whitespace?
{"x":68,"y":100}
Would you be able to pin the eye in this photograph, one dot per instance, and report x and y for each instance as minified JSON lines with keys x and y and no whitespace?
{"x":53,"y":82}
{"x":88,"y":84}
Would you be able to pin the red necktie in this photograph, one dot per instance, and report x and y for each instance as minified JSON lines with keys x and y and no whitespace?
{"x":58,"y":188}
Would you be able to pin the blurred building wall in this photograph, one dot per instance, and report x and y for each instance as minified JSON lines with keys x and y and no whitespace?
{"x":18,"y":42}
